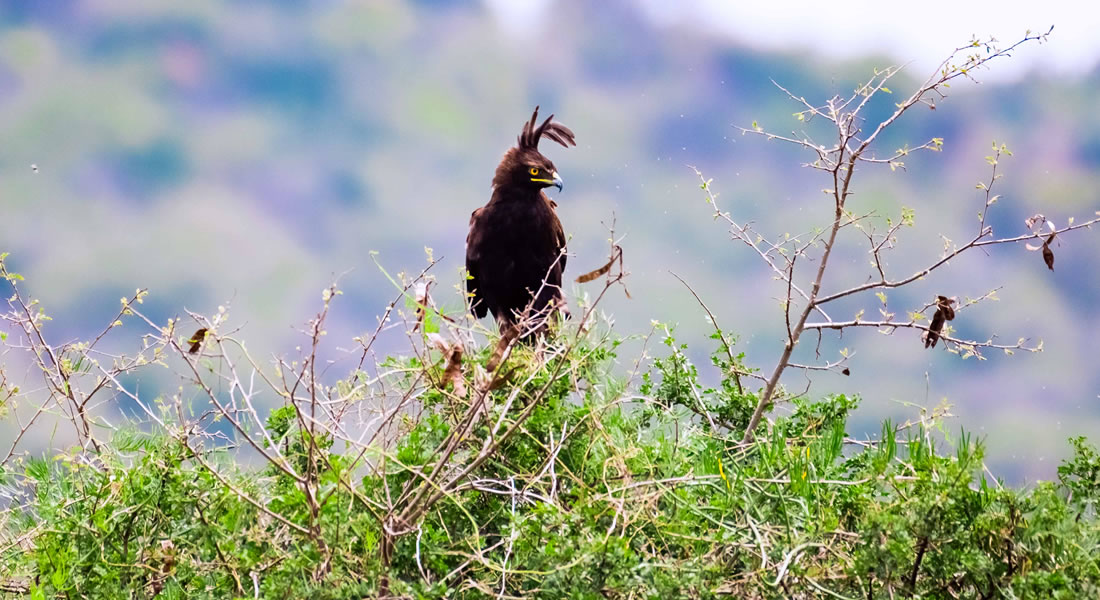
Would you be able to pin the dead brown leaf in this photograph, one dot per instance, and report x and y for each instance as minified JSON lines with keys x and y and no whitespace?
{"x":616,"y":255}
{"x":508,"y":336}
{"x":589,"y":276}
{"x":452,"y":352}
{"x":453,"y":373}
{"x":421,"y":303}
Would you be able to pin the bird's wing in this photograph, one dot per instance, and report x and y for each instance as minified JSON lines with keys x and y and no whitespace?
{"x":473,"y":259}
{"x":559,"y":238}
{"x":557,"y":274}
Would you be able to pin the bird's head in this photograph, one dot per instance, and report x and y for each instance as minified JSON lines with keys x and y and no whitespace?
{"x":524,"y":167}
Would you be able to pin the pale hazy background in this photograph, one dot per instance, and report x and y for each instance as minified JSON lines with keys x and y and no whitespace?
{"x":244,"y":153}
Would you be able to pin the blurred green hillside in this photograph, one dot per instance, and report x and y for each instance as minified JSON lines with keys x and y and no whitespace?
{"x":245,"y":153}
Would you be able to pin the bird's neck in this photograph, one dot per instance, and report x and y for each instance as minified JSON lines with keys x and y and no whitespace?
{"x":510,"y":194}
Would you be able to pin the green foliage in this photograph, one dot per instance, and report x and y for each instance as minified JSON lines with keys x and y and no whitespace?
{"x":605,"y":491}
{"x":143,"y":520}
{"x":1081,"y":476}
{"x":673,"y":381}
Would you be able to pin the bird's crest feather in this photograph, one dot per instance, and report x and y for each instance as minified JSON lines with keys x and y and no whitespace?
{"x":529,"y":138}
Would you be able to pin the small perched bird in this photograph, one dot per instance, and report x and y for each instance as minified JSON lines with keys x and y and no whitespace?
{"x":944,"y":312}
{"x":515,"y":251}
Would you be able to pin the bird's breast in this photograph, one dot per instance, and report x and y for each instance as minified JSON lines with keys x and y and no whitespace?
{"x":516,"y":235}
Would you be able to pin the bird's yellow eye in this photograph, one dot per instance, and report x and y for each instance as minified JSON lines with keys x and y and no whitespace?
{"x":534,"y":171}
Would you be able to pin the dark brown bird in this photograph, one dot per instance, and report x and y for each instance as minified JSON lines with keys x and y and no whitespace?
{"x":1048,"y":254}
{"x":515,"y":251}
{"x":944,"y":312}
{"x":196,"y":341}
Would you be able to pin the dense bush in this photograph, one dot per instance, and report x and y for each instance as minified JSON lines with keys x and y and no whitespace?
{"x":611,"y":488}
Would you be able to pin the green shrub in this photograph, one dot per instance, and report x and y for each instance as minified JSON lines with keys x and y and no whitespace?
{"x":640,"y":500}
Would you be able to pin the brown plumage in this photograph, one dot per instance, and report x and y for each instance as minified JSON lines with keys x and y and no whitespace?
{"x":196,"y":341}
{"x":944,"y":312}
{"x":515,"y":251}
{"x":1048,"y":254}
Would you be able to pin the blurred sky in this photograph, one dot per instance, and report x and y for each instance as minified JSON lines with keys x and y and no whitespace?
{"x":911,"y":33}
{"x":245,"y":153}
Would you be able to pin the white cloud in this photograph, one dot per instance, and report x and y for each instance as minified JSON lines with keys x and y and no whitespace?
{"x":519,"y":17}
{"x":921,"y":33}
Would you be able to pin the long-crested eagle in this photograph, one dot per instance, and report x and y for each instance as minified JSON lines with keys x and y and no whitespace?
{"x":515,"y":251}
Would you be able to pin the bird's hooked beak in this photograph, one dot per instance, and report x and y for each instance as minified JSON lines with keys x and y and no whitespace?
{"x":557,"y":181}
